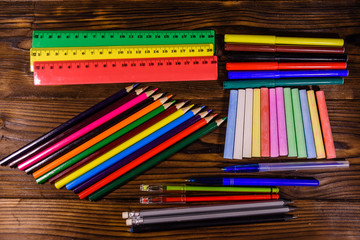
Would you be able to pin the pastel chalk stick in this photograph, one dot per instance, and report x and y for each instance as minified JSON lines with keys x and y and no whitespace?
{"x":248,"y":123}
{"x":299,"y":128}
{"x":230,"y":127}
{"x":239,"y":129}
{"x":309,"y":137}
{"x":290,"y":126}
{"x":274,"y":140}
{"x":280,"y":110}
{"x":264,"y":122}
{"x":256,"y":141}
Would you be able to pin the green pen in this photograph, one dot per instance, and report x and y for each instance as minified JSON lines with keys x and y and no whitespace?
{"x":282,"y":82}
{"x":290,"y":128}
{"x":187,"y":188}
{"x":299,"y":128}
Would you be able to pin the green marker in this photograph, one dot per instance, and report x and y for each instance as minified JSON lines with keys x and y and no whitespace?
{"x":290,"y":128}
{"x":186,"y":188}
{"x":282,"y":82}
{"x":299,"y":128}
{"x":101,"y":144}
{"x":155,"y":160}
{"x":46,"y":39}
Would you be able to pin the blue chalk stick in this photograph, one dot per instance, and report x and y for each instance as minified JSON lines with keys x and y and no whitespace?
{"x":309,"y":137}
{"x":230,"y":127}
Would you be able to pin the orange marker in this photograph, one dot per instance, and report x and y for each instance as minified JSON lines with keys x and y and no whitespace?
{"x":100,"y":137}
{"x":264,"y":122}
{"x":325,"y":125}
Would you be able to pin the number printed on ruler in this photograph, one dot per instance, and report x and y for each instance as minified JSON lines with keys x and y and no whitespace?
{"x":126,"y":52}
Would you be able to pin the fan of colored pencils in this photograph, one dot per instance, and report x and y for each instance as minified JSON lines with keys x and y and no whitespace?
{"x":112,"y":142}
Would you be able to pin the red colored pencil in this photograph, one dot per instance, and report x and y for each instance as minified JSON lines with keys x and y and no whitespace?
{"x":145,"y":157}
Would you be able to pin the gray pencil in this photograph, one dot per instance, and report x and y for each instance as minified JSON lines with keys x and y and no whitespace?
{"x":206,"y":208}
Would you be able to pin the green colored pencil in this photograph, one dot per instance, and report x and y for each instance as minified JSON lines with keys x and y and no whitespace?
{"x":290,"y":128}
{"x":299,"y":128}
{"x":155,"y":160}
{"x":101,"y":144}
{"x":189,"y":188}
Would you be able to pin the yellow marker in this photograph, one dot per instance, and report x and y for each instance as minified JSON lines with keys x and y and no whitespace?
{"x":270,"y":39}
{"x":319,"y":144}
{"x":119,"y":52}
{"x":121,"y":147}
{"x":256,"y":139}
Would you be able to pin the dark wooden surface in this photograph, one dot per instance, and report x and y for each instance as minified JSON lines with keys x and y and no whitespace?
{"x":31,"y":211}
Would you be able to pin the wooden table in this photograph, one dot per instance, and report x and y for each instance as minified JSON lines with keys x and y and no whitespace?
{"x":31,"y":211}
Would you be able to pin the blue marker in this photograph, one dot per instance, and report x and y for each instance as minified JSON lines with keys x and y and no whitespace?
{"x":118,"y":157}
{"x":255,"y":181}
{"x":309,"y":137}
{"x":230,"y":127}
{"x":287,"y":74}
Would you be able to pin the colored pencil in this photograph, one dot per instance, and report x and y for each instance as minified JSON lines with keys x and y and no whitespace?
{"x":248,"y":123}
{"x":76,"y":127}
{"x":68,"y":124}
{"x":135,"y":114}
{"x":128,"y":132}
{"x":284,"y":82}
{"x":209,"y":215}
{"x":85,"y":129}
{"x":121,"y":147}
{"x":290,"y":127}
{"x":243,"y":181}
{"x":256,"y":139}
{"x":315,"y":123}
{"x":281,"y":48}
{"x":309,"y":137}
{"x":190,"y":188}
{"x":246,"y":66}
{"x":264,"y":74}
{"x":278,"y":40}
{"x":281,"y":121}
{"x":164,"y":150}
{"x":70,"y":148}
{"x":239,"y":126}
{"x":210,"y":223}
{"x":265,"y":122}
{"x":205,"y":208}
{"x":230,"y":126}
{"x":89,"y":182}
{"x":274,"y":139}
{"x":285,"y":57}
{"x":185,"y":199}
{"x":299,"y":128}
{"x":325,"y":125}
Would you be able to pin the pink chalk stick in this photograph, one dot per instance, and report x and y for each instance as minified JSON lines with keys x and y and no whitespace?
{"x":281,"y":121}
{"x":274,"y":141}
{"x":82,"y":131}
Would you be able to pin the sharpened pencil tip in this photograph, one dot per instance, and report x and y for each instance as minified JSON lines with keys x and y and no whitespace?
{"x":135,"y":85}
{"x":202,"y":107}
{"x":209,"y":111}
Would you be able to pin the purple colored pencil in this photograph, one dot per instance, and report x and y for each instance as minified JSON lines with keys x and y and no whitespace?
{"x":139,"y":152}
{"x":280,"y":110}
{"x":274,"y":143}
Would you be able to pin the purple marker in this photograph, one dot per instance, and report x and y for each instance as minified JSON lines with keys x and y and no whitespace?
{"x":281,"y":121}
{"x":274,"y":141}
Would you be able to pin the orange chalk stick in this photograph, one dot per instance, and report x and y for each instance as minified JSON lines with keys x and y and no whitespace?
{"x":264,"y":122}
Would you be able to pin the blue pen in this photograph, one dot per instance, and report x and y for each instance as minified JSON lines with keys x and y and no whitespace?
{"x":230,"y":126}
{"x":309,"y":137}
{"x":287,"y":74}
{"x":71,"y":185}
{"x":285,"y":166}
{"x":226,"y":181}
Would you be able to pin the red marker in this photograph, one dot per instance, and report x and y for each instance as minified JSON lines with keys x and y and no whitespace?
{"x":241,"y":66}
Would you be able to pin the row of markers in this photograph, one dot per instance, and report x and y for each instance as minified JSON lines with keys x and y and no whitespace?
{"x":112,"y":142}
{"x":272,"y":122}
{"x":94,"y":57}
{"x":274,"y":61}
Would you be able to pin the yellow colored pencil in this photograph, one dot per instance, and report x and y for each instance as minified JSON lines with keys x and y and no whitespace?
{"x":121,"y":147}
{"x":319,"y":143}
{"x":256,"y":139}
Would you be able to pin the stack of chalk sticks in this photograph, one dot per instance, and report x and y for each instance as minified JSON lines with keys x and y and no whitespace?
{"x":112,"y":142}
{"x":271,"y":61}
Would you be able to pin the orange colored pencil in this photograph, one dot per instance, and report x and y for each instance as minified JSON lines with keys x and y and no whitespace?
{"x":145,"y":156}
{"x":100,"y":137}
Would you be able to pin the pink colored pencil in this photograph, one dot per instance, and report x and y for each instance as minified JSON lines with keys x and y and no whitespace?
{"x":274,"y":140}
{"x":280,"y":110}
{"x":85,"y":130}
{"x":325,"y":125}
{"x":264,"y":122}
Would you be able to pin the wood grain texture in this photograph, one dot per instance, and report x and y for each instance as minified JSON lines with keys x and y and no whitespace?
{"x":31,"y":211}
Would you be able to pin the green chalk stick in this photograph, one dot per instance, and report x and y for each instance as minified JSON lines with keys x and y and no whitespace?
{"x":299,"y":128}
{"x":290,"y":128}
